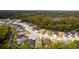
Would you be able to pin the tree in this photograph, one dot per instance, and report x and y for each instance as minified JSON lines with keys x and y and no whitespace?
{"x":4,"y":34}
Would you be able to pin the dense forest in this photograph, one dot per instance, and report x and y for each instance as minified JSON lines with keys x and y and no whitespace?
{"x":4,"y":33}
{"x":52,"y":20}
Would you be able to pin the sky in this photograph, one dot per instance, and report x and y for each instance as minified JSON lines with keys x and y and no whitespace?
{"x":39,"y":4}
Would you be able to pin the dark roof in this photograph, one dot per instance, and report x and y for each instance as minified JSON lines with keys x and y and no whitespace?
{"x":55,"y":33}
{"x":67,"y":33}
{"x":72,"y":33}
{"x":19,"y":26}
{"x":36,"y":28}
{"x":21,"y":36}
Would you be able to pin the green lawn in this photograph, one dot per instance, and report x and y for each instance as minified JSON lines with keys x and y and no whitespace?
{"x":25,"y":46}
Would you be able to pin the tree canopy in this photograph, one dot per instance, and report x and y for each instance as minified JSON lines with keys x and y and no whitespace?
{"x":4,"y":33}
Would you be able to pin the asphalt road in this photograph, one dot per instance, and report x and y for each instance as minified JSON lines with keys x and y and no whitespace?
{"x":11,"y":38}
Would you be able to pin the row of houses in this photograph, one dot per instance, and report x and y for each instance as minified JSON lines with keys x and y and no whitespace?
{"x":21,"y":35}
{"x":10,"y":20}
{"x":37,"y":36}
{"x":37,"y":39}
